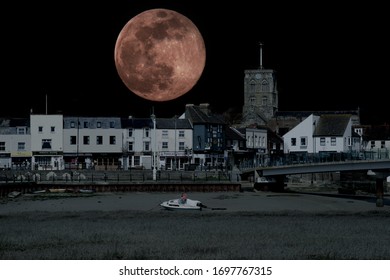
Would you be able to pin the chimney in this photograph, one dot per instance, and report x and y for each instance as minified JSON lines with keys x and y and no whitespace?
{"x":204,"y":107}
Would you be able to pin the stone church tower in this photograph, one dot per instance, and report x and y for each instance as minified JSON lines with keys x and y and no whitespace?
{"x":260,"y":95}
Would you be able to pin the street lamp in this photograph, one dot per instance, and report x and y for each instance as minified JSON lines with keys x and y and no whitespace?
{"x":154,"y":148}
{"x":174,"y":167}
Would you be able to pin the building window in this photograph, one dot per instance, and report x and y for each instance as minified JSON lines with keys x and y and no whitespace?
{"x":181,"y":146}
{"x":164,"y":134}
{"x":264,"y":101}
{"x":264,"y":86}
{"x":46,"y":144}
{"x":303,"y":141}
{"x":21,"y":130}
{"x":181,"y":133}
{"x":43,"y":160}
{"x":146,"y":146}
{"x":40,"y":129}
{"x":252,"y":87}
{"x":86,"y":140}
{"x":333,"y":141}
{"x":72,"y":124}
{"x":164,"y":145}
{"x":21,"y":146}
{"x":73,"y":140}
{"x":293,"y":141}
{"x":136,"y":160}
{"x":52,"y":129}
{"x":131,"y":146}
{"x":112,"y":124}
{"x":99,"y":124}
{"x":252,"y":100}
{"x":130,"y":132}
{"x":99,"y":140}
{"x":2,"y":146}
{"x":146,"y":132}
{"x":112,"y":140}
{"x":86,"y":125}
{"x":383,"y":145}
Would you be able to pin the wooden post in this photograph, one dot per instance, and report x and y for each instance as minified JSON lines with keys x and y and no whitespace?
{"x":379,"y":192}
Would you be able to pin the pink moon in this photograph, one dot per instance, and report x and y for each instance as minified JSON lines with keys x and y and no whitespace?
{"x":160,"y":55}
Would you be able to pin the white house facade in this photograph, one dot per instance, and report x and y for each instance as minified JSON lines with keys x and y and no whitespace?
{"x":334,"y":134}
{"x":93,"y":142}
{"x":47,"y":142}
{"x":15,"y":144}
{"x":174,"y":143}
{"x":300,"y":138}
{"x":137,"y":143}
{"x":325,"y":135}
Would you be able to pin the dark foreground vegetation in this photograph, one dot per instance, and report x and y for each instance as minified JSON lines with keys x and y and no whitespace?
{"x":202,"y":235}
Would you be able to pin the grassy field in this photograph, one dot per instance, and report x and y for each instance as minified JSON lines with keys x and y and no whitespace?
{"x":108,"y":235}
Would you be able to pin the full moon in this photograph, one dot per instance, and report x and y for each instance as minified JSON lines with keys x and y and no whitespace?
{"x":160,"y":54}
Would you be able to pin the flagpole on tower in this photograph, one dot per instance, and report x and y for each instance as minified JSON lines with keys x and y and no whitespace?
{"x":261,"y":55}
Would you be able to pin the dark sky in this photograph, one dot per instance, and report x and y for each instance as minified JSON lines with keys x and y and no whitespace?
{"x":326,"y":56}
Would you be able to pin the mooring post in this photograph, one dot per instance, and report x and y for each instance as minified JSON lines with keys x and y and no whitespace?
{"x":379,"y":192}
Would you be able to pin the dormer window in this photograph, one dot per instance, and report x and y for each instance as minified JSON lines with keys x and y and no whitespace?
{"x":21,"y":130}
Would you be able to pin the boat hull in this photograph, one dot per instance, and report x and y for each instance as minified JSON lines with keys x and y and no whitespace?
{"x":178,"y":205}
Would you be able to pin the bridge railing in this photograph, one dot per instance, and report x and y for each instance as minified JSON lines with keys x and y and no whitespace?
{"x":323,"y":157}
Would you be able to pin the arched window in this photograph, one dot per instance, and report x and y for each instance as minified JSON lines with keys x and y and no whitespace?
{"x":252,"y":87}
{"x":264,"y":85}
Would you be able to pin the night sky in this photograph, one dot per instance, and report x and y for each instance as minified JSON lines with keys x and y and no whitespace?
{"x":326,"y":56}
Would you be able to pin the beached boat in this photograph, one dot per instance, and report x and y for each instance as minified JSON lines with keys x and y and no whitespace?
{"x":14,"y":194}
{"x":55,"y":190}
{"x":182,"y":203}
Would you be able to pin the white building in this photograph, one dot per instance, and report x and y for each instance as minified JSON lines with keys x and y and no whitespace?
{"x":300,"y":138}
{"x":334,"y":134}
{"x":256,"y":141}
{"x":174,"y":143}
{"x":376,"y":141}
{"x":47,"y":142}
{"x":15,"y":144}
{"x":324,"y":135}
{"x":93,"y":142}
{"x":137,"y":143}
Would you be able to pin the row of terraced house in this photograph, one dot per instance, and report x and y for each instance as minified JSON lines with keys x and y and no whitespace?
{"x":196,"y":139}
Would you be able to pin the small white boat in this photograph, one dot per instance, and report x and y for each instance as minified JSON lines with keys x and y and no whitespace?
{"x":14,"y":194}
{"x":182,"y":203}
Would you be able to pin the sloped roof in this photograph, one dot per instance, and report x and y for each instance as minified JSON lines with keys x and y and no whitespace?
{"x":14,"y":122}
{"x":377,"y":132}
{"x":303,"y":114}
{"x":172,"y":123}
{"x":196,"y":115}
{"x":232,"y":133}
{"x":332,"y":125}
{"x":136,"y":122}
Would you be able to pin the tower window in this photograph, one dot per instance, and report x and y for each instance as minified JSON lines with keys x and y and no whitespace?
{"x":264,"y":86}
{"x":252,"y":87}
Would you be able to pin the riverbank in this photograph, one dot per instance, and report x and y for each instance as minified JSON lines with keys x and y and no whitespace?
{"x":231,"y":201}
{"x":252,"y":225}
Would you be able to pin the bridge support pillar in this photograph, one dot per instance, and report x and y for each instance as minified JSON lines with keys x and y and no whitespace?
{"x":379,"y":191}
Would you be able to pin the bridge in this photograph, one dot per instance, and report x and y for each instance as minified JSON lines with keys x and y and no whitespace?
{"x":381,"y":166}
{"x":378,"y":169}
